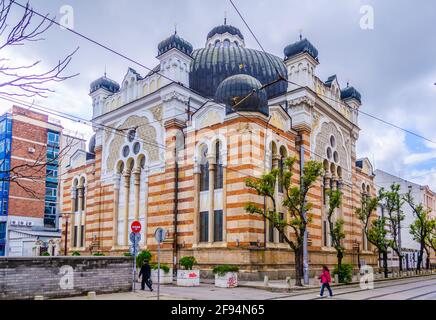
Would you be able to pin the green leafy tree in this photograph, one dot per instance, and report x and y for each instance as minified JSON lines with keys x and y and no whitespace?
{"x":374,"y":229}
{"x":420,"y":229}
{"x":295,"y":201}
{"x":391,"y":202}
{"x":337,"y":233}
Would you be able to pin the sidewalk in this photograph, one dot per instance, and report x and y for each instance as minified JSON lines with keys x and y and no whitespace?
{"x":283,"y":286}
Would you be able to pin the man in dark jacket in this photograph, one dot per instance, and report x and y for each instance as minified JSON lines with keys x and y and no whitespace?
{"x":146,"y":274}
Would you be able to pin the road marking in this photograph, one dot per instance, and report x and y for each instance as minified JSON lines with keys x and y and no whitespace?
{"x":395,"y":292}
{"x":398,"y":282}
{"x":421,"y":295}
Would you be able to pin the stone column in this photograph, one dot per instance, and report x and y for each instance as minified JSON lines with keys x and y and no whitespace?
{"x":79,"y":227}
{"x":145,"y":184}
{"x":211,"y":199}
{"x":196,"y":203}
{"x":115,"y":210}
{"x":126,"y":206}
{"x":72,"y":219}
{"x":275,"y":165}
{"x":224,"y":203}
{"x":137,"y":176}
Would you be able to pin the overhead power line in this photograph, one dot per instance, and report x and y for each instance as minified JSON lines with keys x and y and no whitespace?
{"x":329,"y":98}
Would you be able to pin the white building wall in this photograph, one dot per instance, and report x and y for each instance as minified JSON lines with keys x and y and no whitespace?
{"x":409,"y":246}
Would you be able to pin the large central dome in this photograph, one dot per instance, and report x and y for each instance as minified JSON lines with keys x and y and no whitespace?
{"x":212,"y":65}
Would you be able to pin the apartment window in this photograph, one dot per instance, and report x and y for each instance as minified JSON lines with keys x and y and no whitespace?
{"x":82,"y":236}
{"x":53,"y":138}
{"x":83,"y":200}
{"x":218,"y":226}
{"x":75,"y":237}
{"x":324,"y":191}
{"x":271,"y":231}
{"x":204,"y":177}
{"x":2,"y":231}
{"x":76,"y":199}
{"x":280,"y":184}
{"x":324,"y":233}
{"x":281,"y":237}
{"x":204,"y":226}
{"x":218,"y":174}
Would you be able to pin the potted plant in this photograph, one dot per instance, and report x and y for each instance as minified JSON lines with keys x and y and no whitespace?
{"x":226,"y":276}
{"x":188,"y":277}
{"x":76,"y":253}
{"x":143,"y":256}
{"x":98,"y":254}
{"x":166,"y":273}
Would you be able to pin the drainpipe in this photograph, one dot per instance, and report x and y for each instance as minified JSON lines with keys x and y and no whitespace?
{"x":176,"y":193}
{"x":305,"y":251}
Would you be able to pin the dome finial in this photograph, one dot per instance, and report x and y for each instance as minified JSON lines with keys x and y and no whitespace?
{"x":105,"y":74}
{"x":300,"y":31}
{"x":225,"y":17}
{"x":175,"y":28}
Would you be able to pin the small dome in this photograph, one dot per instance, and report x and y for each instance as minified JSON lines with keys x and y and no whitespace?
{"x":301,"y":47}
{"x":91,"y":146}
{"x":175,"y":42}
{"x":351,"y":93}
{"x":223,"y":29}
{"x":237,"y":87}
{"x":106,"y":84}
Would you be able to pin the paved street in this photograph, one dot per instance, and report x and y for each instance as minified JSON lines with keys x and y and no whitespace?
{"x":422,"y":288}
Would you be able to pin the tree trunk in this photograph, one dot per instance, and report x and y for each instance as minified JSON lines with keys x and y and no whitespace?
{"x":420,"y":256}
{"x":298,"y":267}
{"x":427,"y":260}
{"x":400,"y":261}
{"x":340,"y":255}
{"x":385,"y":263}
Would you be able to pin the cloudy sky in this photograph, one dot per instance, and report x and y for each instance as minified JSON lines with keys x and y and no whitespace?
{"x":393,"y":65}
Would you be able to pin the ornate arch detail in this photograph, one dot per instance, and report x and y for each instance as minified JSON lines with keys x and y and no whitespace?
{"x":146,"y":134}
{"x":322,"y":142}
{"x":223,"y":142}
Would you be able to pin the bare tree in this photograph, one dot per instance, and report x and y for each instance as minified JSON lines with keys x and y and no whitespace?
{"x":28,"y":174}
{"x":25,"y":80}
{"x":421,"y":229}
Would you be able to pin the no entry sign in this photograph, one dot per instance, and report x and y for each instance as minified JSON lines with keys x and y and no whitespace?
{"x":136,"y":227}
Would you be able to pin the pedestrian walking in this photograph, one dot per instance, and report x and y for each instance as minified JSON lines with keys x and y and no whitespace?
{"x":325,"y":281}
{"x":145,"y":272}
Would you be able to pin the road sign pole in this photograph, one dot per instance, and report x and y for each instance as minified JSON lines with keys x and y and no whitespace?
{"x":134,"y":265}
{"x":158,"y":270}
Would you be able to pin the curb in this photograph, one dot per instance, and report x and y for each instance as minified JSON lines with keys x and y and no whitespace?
{"x":335,"y":285}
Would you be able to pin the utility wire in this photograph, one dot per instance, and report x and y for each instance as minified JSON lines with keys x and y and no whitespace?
{"x":336,"y":101}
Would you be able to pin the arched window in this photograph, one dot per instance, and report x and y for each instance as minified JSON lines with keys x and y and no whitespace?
{"x":236,"y":43}
{"x":76,"y":196}
{"x":217,"y":44}
{"x":218,"y":179}
{"x":226,"y":43}
{"x":82,"y":194}
{"x":283,"y":154}
{"x":204,"y":171}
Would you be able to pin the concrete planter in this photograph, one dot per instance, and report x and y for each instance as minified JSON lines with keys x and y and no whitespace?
{"x":188,"y":278}
{"x":228,"y":280}
{"x":165,"y":278}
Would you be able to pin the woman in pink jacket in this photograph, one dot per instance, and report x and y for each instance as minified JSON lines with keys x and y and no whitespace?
{"x":325,"y":281}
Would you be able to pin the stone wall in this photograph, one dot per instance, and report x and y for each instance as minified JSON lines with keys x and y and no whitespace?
{"x":57,"y":277}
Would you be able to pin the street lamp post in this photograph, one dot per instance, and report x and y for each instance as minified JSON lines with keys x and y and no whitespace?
{"x":65,"y":214}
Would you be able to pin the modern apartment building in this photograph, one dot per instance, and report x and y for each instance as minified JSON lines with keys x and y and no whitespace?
{"x":30,"y":159}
